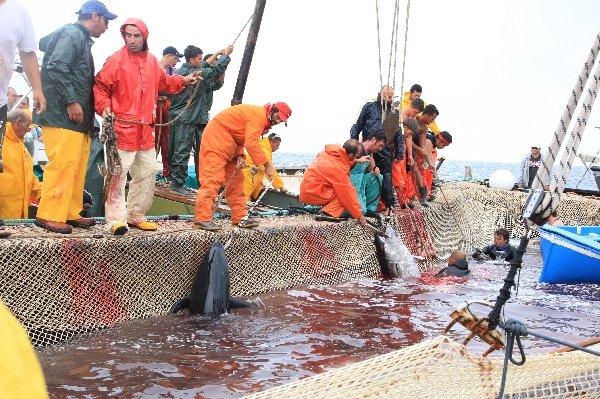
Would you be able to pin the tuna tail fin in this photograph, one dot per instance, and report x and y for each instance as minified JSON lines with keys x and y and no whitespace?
{"x":183,"y":303}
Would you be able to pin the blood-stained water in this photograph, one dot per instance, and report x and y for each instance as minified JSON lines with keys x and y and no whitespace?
{"x":304,"y":331}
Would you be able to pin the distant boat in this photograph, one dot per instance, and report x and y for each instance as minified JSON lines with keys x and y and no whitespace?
{"x":570,"y":254}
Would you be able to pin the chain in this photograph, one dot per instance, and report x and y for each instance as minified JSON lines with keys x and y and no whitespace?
{"x":112,"y":162}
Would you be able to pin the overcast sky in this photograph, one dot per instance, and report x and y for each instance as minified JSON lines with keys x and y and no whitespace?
{"x":500,"y":72}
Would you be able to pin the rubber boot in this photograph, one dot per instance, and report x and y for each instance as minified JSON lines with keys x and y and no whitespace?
{"x":423,"y":194}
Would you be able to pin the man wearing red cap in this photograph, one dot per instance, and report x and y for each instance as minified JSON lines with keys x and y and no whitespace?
{"x":222,"y":154}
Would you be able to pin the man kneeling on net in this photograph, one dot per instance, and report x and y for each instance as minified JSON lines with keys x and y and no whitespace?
{"x":327,"y":182}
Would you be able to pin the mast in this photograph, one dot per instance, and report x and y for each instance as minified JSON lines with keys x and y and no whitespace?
{"x":240,"y":85}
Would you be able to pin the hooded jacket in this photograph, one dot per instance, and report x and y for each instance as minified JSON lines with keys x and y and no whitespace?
{"x":128,"y":84}
{"x":328,"y":177}
{"x":67,"y":76}
{"x":18,"y":181}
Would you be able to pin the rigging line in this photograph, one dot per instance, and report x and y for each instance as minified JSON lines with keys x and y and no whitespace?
{"x":378,"y":43}
{"x":587,"y":169}
{"x":397,"y":13}
{"x":405,"y":41}
{"x":246,"y":24}
{"x":394,"y":19}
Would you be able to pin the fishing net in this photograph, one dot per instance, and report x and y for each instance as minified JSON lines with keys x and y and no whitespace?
{"x":442,"y":368}
{"x":62,"y":285}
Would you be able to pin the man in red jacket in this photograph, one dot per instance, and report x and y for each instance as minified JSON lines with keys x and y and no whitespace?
{"x":127,"y":87}
{"x":327,"y":181}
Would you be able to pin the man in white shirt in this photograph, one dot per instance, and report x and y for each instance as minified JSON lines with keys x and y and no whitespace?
{"x":16,"y":31}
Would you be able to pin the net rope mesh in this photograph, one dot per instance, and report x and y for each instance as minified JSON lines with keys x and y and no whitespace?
{"x":62,"y":285}
{"x":443,"y":368}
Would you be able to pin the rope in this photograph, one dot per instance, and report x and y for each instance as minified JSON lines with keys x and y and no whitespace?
{"x":514,"y":330}
{"x":112,"y":162}
{"x":246,"y":24}
{"x":549,"y":157}
{"x":405,"y":42}
{"x":550,"y":203}
{"x":378,"y":45}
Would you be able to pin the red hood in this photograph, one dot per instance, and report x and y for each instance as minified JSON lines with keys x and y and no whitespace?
{"x":141,"y":25}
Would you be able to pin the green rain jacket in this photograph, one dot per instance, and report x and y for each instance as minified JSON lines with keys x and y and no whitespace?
{"x":194,"y":113}
{"x":67,"y":76}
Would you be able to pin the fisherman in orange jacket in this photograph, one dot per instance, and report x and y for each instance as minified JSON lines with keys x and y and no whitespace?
{"x":222,"y":154}
{"x":327,"y":181}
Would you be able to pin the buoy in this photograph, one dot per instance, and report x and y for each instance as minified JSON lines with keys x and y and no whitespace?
{"x":502,"y":179}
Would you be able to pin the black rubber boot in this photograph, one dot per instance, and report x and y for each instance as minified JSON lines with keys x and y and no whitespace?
{"x":423,"y":194}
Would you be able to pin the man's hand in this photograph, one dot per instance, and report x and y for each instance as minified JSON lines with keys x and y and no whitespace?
{"x":240,"y":162}
{"x":410,"y":160}
{"x":106,"y":112}
{"x":362,"y":220}
{"x":39,"y":102}
{"x":75,"y":112}
{"x":283,"y":190}
{"x":269,"y":170}
{"x":192,"y":78}
{"x":376,"y":171}
{"x":228,"y":50}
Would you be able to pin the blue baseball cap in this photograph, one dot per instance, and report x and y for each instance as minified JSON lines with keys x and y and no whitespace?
{"x":94,"y":6}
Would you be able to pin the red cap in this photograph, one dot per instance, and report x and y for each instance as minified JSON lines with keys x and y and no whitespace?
{"x":284,"y":111}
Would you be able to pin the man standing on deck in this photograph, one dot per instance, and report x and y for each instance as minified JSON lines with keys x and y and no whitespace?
{"x":529,"y":167}
{"x":371,"y":119}
{"x":222,"y":155}
{"x":126,"y":88}
{"x":67,"y":79}
{"x":168,"y":61}
{"x":327,"y":182}
{"x":186,"y":113}
{"x":17,"y":33}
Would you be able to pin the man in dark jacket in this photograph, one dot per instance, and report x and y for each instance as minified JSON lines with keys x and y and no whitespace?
{"x":380,"y":115}
{"x":185,"y":112}
{"x":501,"y":248}
{"x":67,"y":80}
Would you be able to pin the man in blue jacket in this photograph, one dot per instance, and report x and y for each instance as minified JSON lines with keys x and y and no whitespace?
{"x":373,"y":116}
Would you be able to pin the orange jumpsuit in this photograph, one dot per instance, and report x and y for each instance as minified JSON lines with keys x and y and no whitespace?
{"x":224,"y":138}
{"x":327,"y":183}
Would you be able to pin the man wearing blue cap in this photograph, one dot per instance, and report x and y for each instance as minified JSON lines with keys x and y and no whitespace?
{"x":67,"y":81}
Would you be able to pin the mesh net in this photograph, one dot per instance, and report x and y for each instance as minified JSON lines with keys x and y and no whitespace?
{"x":59,"y":286}
{"x":420,"y":370}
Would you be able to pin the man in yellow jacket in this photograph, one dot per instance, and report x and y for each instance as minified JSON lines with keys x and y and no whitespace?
{"x":21,"y":375}
{"x":253,"y":175}
{"x":18,"y":183}
{"x":415,"y":92}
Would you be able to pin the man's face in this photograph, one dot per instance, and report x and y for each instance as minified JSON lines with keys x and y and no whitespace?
{"x":415,"y":94}
{"x":412,"y":112}
{"x":275,"y":144}
{"x":173,"y":60}
{"x":275,"y":118}
{"x":12,"y":98}
{"x":377,"y":146}
{"x":134,"y":39}
{"x":22,"y":126}
{"x":499,"y":241}
{"x":196,"y":61}
{"x":99,"y":25}
{"x":535,"y":152}
{"x":427,"y":119}
{"x":387,"y":94}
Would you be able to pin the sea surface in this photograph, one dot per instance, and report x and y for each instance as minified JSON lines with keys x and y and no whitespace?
{"x":452,"y":170}
{"x":305,"y":331}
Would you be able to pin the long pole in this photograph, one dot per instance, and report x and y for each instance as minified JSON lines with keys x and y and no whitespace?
{"x":240,"y":85}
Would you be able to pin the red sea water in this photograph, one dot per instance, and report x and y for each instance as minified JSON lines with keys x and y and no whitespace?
{"x":305,"y":331}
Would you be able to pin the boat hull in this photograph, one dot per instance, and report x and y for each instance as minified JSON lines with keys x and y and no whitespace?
{"x":570,"y":254}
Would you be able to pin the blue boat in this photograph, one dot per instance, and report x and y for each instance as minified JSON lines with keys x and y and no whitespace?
{"x":570,"y":254}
